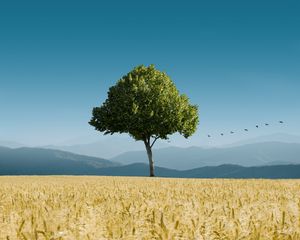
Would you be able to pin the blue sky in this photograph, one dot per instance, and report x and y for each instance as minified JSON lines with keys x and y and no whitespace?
{"x":238,"y":60}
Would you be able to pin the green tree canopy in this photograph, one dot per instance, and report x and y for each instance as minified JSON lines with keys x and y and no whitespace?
{"x":146,"y":104}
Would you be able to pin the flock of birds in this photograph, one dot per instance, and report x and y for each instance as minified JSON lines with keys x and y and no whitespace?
{"x":246,"y":129}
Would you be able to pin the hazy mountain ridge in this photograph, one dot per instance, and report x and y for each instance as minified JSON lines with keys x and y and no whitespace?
{"x":104,"y":149}
{"x":43,"y":161}
{"x":169,"y":161}
{"x":97,"y":149}
{"x":34,"y":161}
{"x":257,"y":154}
{"x":141,"y":169}
{"x":11,"y":144}
{"x":112,"y":146}
{"x":276,"y":137}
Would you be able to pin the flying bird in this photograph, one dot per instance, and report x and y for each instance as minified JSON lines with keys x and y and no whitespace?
{"x":246,"y":129}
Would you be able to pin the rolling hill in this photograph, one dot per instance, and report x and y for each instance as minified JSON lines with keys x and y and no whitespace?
{"x":222,"y":171}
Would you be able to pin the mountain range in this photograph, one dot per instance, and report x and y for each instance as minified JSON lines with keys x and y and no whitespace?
{"x":11,"y":144}
{"x":47,"y":161}
{"x":257,"y":160}
{"x":113,"y":146}
{"x":109,"y":148}
{"x":276,"y":137}
{"x":257,"y":154}
{"x":28,"y":161}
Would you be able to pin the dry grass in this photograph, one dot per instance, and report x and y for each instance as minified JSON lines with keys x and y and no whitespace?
{"x":144,"y":208}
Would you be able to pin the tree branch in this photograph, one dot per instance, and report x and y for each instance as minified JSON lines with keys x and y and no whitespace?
{"x":154,"y":141}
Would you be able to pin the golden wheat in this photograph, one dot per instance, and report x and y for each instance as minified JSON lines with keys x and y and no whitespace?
{"x":68,"y":208}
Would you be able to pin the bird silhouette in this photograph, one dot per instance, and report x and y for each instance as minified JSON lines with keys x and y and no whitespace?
{"x":247,"y":130}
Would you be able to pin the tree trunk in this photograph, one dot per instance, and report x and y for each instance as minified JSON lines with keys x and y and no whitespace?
{"x":151,"y":163}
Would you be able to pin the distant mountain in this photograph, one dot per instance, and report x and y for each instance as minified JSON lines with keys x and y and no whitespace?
{"x":112,"y":146}
{"x":11,"y":144}
{"x":47,"y":161}
{"x":276,"y":137}
{"x":258,"y":154}
{"x":141,"y":169}
{"x":105,"y":148}
{"x":34,"y":161}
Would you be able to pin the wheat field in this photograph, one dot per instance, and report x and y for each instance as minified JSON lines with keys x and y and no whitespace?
{"x":68,"y":208}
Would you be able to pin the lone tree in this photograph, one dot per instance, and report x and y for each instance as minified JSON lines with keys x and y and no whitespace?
{"x":146,"y":104}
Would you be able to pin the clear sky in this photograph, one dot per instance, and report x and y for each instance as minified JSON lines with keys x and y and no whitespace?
{"x":238,"y":60}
